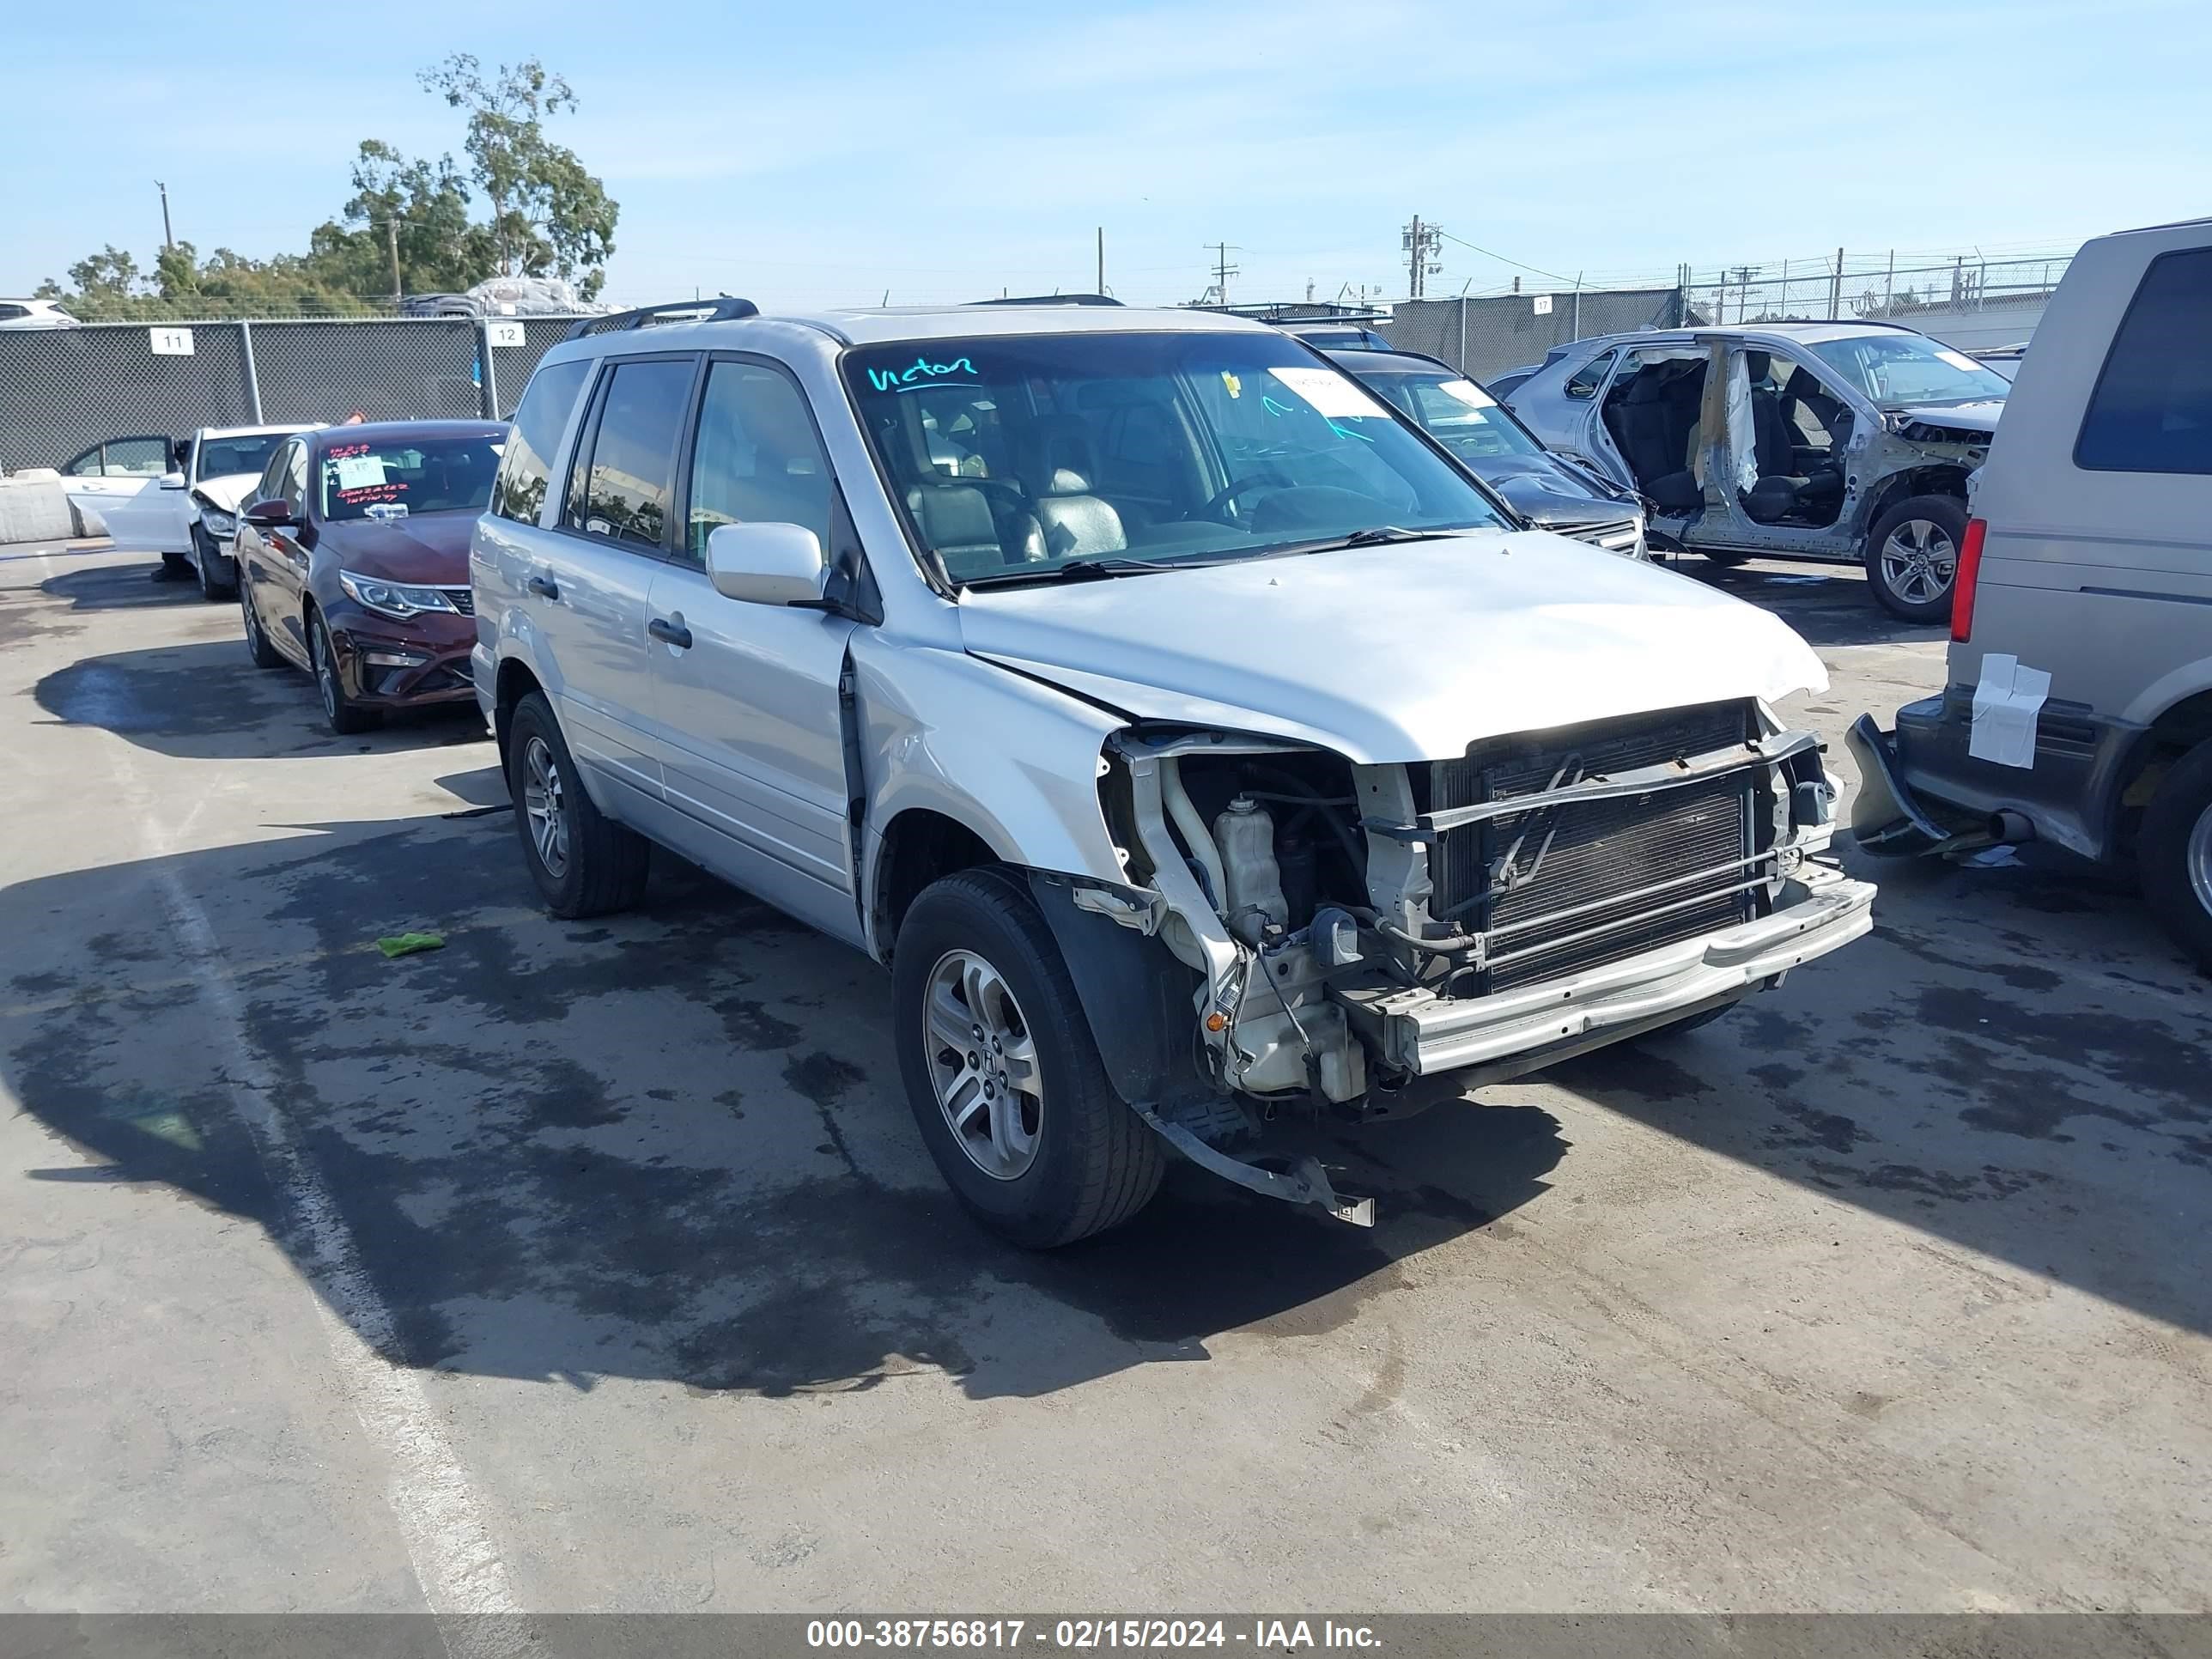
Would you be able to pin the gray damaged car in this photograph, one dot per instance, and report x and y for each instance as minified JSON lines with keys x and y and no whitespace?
{"x":1845,"y":441}
{"x":1205,"y":753}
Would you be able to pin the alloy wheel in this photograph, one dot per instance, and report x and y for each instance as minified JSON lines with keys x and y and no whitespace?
{"x":545,"y":807}
{"x":1918,"y":562}
{"x":2199,"y":859}
{"x":326,"y":673}
{"x":983,"y":1064}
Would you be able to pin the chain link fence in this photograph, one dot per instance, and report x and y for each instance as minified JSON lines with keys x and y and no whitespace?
{"x":65,"y":389}
{"x":1482,"y":336}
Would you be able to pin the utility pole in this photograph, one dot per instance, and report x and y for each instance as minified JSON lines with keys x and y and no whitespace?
{"x":1422,"y":243}
{"x":1102,"y":260}
{"x":168,"y":241}
{"x":391,"y":237}
{"x":1836,"y":288}
{"x":1223,"y":271}
{"x":1743,"y":275}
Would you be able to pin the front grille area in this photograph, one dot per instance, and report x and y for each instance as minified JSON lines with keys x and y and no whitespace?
{"x":1614,"y":537}
{"x":1566,"y":858}
{"x":464,"y":599}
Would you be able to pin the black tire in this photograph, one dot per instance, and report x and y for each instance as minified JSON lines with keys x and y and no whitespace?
{"x":1095,"y":1162}
{"x":257,"y":646}
{"x":1722,"y":557}
{"x":2173,"y":853}
{"x":343,"y":715}
{"x":217,"y":580}
{"x":175,"y":567}
{"x":602,"y":865}
{"x":1930,"y":530}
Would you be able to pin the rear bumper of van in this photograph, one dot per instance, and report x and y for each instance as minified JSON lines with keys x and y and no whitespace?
{"x":1921,"y":790}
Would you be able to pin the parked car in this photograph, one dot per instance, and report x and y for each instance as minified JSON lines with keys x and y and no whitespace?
{"x":352,"y":562}
{"x":178,"y":497}
{"x":1550,"y":492}
{"x":2002,"y":359}
{"x":2078,"y":710}
{"x":1197,"y":744}
{"x":1504,"y":385}
{"x":35,"y":314}
{"x":1818,"y":441}
{"x":1338,"y":337}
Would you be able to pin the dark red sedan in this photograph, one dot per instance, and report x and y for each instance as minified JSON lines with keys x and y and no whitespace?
{"x":353,"y":562}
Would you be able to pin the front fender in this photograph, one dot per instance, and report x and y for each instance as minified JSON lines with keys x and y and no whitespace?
{"x":1014,"y":761}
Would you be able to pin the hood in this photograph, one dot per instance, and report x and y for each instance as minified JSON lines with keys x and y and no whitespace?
{"x":1546,"y":493}
{"x":432,"y":550}
{"x":228,"y":490}
{"x":1967,"y":417}
{"x":1395,"y":653}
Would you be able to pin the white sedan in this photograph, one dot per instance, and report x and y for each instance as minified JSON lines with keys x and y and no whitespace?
{"x":176,"y":497}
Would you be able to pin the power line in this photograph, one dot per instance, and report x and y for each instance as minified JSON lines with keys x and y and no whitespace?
{"x":1501,"y":258}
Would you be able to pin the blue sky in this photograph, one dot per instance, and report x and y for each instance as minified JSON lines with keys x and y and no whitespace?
{"x":829,"y":152}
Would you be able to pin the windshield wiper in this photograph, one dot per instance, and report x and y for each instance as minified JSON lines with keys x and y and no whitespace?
{"x":1375,"y":536}
{"x":1089,"y":569}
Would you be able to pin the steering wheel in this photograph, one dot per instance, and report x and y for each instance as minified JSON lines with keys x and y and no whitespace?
{"x":1222,"y":498}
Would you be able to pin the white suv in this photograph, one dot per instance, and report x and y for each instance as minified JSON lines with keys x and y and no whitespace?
{"x":1199,"y":746}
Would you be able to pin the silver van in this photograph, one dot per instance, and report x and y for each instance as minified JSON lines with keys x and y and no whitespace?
{"x":2079,"y":706}
{"x":1203,"y":751}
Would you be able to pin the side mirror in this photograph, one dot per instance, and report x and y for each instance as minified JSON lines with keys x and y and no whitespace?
{"x":272,"y":514}
{"x":765,"y":563}
{"x":172,"y":481}
{"x":1581,"y":389}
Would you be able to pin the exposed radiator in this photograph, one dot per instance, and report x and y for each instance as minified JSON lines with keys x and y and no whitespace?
{"x":1582,"y":858}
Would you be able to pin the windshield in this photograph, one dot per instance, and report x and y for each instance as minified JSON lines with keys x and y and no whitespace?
{"x":223,"y":457}
{"x":1895,"y":370}
{"x":1017,"y":456}
{"x":1457,"y":413}
{"x":364,"y":478}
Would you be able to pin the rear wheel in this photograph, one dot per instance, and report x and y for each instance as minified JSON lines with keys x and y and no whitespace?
{"x":1722,"y":557}
{"x":345,"y":716}
{"x":2173,"y":853}
{"x":585,"y":864}
{"x":1001,"y":1072}
{"x":264,"y":654}
{"x":1912,"y":556}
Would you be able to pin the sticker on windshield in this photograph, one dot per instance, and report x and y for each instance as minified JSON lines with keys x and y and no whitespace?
{"x":1468,"y":393}
{"x":385,"y":509}
{"x":359,"y":471}
{"x":1956,"y":359}
{"x":922,"y":373}
{"x":1232,"y":384}
{"x":1337,"y":395}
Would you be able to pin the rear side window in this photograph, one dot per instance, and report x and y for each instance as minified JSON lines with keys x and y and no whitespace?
{"x":1586,"y":379}
{"x":543,"y":413}
{"x":632,"y":455}
{"x":2152,"y":410}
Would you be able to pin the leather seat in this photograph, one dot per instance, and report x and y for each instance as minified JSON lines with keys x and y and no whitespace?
{"x":1775,"y":494}
{"x":1654,"y":425}
{"x":973,"y":538}
{"x":1075,"y":523}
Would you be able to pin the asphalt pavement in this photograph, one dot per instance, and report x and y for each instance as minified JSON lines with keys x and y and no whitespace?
{"x":598,"y":1264}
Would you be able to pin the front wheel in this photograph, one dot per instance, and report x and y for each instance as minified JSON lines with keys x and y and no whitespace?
{"x":218,"y":580}
{"x":345,"y":717}
{"x":2173,"y":853}
{"x":585,"y":864}
{"x":1001,"y":1072}
{"x":1912,"y":557}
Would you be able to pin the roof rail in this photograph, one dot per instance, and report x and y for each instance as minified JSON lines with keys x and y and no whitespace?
{"x":722,"y":309}
{"x":1050,"y":300}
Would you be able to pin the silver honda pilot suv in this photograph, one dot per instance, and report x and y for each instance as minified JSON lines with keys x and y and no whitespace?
{"x":1205,"y":753}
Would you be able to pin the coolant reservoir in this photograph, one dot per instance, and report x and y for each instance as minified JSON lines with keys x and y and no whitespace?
{"x":1246,"y":837}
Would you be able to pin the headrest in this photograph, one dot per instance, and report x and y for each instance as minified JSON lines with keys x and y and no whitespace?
{"x":1756,"y":363}
{"x":1066,"y":481}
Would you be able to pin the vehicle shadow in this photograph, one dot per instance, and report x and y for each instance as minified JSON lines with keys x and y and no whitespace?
{"x":205,"y":701}
{"x":671,"y":1145}
{"x":2013,"y":1061}
{"x":124,"y":586}
{"x":1828,"y":605}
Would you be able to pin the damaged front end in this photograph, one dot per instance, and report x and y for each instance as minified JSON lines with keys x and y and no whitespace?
{"x":1351,"y":941}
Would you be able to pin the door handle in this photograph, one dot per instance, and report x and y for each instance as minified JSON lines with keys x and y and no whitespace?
{"x":543,"y":587}
{"x":670,"y":633}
